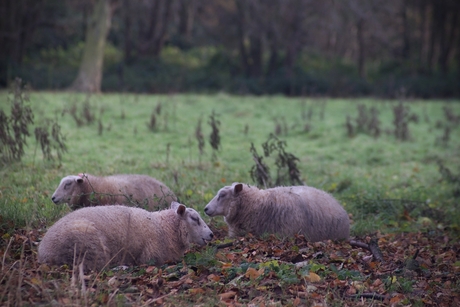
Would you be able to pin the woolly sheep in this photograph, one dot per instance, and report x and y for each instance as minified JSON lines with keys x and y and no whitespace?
{"x":86,"y":190}
{"x":281,"y":210}
{"x":121,"y":235}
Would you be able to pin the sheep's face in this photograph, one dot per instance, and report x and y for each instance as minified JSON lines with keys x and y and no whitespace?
{"x":222,"y":203}
{"x":198,"y":232}
{"x":68,"y":187}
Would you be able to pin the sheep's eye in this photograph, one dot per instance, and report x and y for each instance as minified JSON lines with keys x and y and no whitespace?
{"x":221,"y":195}
{"x":67,"y":185}
{"x":196,"y":220}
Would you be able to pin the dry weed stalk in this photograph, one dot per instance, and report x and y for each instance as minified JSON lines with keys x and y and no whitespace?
{"x":14,"y":129}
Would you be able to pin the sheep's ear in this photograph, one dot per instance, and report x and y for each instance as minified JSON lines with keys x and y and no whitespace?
{"x":79,"y":180}
{"x":174,"y":205}
{"x":181,"y":210}
{"x":238,"y":188}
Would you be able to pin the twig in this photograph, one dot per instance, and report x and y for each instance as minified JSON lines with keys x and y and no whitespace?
{"x":374,"y":248}
{"x":20,"y":275}
{"x":111,"y":296}
{"x":9,"y":281}
{"x":374,"y":296}
{"x":153,"y":300}
{"x":81,"y":276}
{"x":224,"y":245}
{"x":4,"y":255}
{"x":359,"y":244}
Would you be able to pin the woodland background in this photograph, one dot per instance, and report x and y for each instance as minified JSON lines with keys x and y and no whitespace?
{"x":193,"y":89}
{"x":294,"y":47}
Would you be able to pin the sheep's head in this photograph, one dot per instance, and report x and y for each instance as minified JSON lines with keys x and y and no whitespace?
{"x":222,"y":203}
{"x":69,"y":187}
{"x":198,"y":232}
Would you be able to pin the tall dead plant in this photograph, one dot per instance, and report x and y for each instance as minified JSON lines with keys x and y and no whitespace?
{"x":287,"y":171}
{"x":366,"y":122}
{"x":199,"y":137}
{"x":50,"y":140}
{"x":402,"y":118}
{"x":82,"y":117}
{"x":14,"y":129}
{"x":260,"y":172}
{"x":214,"y":137}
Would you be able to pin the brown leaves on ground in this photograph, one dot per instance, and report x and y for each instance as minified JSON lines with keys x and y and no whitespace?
{"x":419,"y":269}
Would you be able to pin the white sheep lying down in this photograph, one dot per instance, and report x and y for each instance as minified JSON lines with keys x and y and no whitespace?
{"x":282,"y":210}
{"x":120,"y":235}
{"x":85,"y":190}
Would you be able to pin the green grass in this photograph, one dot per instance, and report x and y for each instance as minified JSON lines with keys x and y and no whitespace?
{"x":386,"y":184}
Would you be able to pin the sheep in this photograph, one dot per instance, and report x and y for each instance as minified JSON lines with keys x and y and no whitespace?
{"x":120,"y":235}
{"x":86,"y":190}
{"x":282,"y":210}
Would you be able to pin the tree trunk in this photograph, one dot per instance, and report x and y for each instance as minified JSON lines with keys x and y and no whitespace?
{"x":89,"y":76}
{"x":458,"y":61}
{"x":128,"y":42}
{"x":361,"y":47}
{"x":255,"y":69}
{"x":153,"y":39}
{"x":272,"y":65}
{"x":434,"y":27}
{"x":449,"y":26}
{"x":422,"y":48}
{"x":186,"y":17}
{"x":406,"y":43}
{"x":241,"y":32}
{"x":18,"y":22}
{"x":160,"y":38}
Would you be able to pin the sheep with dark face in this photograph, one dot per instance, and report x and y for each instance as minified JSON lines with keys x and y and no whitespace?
{"x":85,"y":190}
{"x":282,"y":210}
{"x":119,"y":235}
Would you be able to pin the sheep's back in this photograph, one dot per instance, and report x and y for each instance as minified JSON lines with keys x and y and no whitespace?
{"x":103,"y":233}
{"x":291,"y":210}
{"x":143,"y":187}
{"x":131,"y":189}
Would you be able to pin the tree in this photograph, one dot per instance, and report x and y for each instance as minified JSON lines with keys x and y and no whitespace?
{"x":18,"y":22}
{"x":187,"y":11}
{"x":154,"y":24}
{"x":89,"y":76}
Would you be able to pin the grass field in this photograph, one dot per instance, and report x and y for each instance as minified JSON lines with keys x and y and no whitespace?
{"x":386,"y":184}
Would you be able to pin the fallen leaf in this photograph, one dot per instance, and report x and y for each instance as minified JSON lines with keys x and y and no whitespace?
{"x":252,"y":273}
{"x":227,"y":295}
{"x":377,"y":282}
{"x":230,"y":256}
{"x":36,"y":281}
{"x":213,"y":277}
{"x":44,"y":268}
{"x":358,"y":285}
{"x":316,"y":296}
{"x":351,"y":291}
{"x":395,"y":299}
{"x":150,"y":269}
{"x":313,"y":277}
{"x":262,"y":288}
{"x":113,"y":282}
{"x":226,"y":265}
{"x":196,"y":291}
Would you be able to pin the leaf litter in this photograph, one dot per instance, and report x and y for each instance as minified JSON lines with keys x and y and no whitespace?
{"x":417,"y":269}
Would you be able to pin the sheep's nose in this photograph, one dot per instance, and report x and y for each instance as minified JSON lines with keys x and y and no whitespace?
{"x":53,"y":199}
{"x":206,"y":209}
{"x":212,"y":235}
